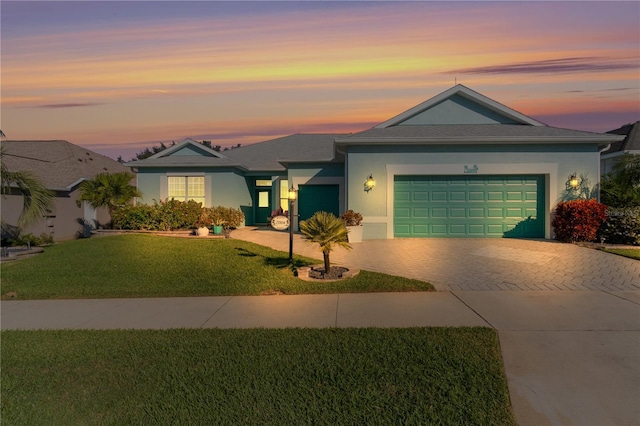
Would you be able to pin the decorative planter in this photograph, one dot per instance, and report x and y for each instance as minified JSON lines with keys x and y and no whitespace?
{"x":202,"y":231}
{"x":355,"y":234}
{"x":217,"y":229}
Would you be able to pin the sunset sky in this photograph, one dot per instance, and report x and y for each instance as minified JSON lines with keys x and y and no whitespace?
{"x":116,"y":77}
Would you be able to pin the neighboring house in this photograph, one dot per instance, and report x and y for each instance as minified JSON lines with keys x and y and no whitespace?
{"x":630,"y":145}
{"x":457,"y":165}
{"x":61,"y":166}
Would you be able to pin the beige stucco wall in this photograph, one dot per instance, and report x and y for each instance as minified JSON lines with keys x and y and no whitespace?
{"x":63,"y":220}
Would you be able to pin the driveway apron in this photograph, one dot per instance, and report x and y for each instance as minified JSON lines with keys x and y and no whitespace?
{"x":568,"y":317}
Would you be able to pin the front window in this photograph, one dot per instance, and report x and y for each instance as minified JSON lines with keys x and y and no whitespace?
{"x":186,"y":188}
{"x":284,"y":194}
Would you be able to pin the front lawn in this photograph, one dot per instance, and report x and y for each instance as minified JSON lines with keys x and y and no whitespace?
{"x":139,"y":265}
{"x":418,"y":376}
{"x":631,"y":253}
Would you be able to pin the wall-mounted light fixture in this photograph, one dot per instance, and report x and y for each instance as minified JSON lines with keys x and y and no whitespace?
{"x":369,"y":184}
{"x":293,"y":194}
{"x":573,"y":182}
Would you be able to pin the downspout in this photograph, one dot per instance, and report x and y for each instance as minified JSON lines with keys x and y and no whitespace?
{"x":135,"y":170}
{"x":599,"y":167}
{"x":346,"y":178}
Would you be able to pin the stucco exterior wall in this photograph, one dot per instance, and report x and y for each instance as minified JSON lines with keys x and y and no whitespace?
{"x":62,"y":223}
{"x":555,"y":162}
{"x":225,"y":187}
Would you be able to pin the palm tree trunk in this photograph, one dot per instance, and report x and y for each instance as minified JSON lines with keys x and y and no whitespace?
{"x":327,"y":263}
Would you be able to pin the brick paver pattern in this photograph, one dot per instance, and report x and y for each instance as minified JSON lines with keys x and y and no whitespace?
{"x":475,"y":264}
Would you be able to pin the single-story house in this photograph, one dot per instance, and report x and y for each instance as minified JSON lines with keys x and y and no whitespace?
{"x":61,"y":166}
{"x":457,"y":165}
{"x":629,"y":145}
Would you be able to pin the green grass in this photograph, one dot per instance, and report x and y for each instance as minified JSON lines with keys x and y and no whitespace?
{"x":155,"y":266}
{"x":631,"y":253}
{"x":415,"y":376}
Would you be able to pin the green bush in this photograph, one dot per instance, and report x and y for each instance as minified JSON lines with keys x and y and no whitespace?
{"x":161,"y":216}
{"x":622,"y":226}
{"x":578,"y":220}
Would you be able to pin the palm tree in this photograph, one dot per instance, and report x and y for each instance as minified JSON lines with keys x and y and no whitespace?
{"x":328,"y":231}
{"x":621,"y":187}
{"x":110,"y":190}
{"x":37,"y":199}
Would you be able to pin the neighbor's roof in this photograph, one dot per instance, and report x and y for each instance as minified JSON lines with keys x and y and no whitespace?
{"x":631,"y":141}
{"x":474,"y":133}
{"x":60,"y":165}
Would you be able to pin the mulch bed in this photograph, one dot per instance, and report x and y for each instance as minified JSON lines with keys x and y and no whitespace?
{"x":335,"y":273}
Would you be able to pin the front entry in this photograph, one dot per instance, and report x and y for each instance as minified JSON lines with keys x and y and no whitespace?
{"x":314,"y":198}
{"x":262,"y":203}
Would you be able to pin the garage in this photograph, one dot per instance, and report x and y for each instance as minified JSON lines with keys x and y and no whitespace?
{"x":314,"y":198}
{"x":469,"y":206}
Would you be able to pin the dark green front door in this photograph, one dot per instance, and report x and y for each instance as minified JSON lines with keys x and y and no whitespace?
{"x":469,"y":206}
{"x":314,"y":198}
{"x":262,"y":204}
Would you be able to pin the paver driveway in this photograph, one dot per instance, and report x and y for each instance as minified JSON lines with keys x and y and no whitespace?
{"x":476,"y":264}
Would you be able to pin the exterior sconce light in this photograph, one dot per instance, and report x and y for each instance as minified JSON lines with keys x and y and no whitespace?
{"x":369,"y":184}
{"x":573,"y":182}
{"x":293,"y":194}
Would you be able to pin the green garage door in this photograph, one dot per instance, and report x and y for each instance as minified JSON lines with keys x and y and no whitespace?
{"x":314,"y":198}
{"x":469,"y":206}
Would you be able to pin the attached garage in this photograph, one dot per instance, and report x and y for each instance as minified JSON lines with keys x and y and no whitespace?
{"x":469,"y":206}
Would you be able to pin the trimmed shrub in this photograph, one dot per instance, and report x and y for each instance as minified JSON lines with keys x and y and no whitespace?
{"x":162,"y":216}
{"x":622,"y":226}
{"x":578,"y":220}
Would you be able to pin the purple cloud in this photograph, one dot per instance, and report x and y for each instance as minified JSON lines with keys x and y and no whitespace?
{"x":584,"y":64}
{"x":70,"y":105}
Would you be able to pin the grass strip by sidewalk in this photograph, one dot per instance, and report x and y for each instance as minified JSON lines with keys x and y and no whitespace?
{"x":259,"y":376}
{"x":630,"y":253}
{"x":152,"y":266}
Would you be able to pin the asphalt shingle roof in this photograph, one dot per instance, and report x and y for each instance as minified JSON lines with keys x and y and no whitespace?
{"x":469,"y":131}
{"x":631,"y":141}
{"x":301,"y":147}
{"x":58,"y":164}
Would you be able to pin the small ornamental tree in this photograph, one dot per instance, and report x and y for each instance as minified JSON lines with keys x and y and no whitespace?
{"x":578,"y":220}
{"x":326,"y":230}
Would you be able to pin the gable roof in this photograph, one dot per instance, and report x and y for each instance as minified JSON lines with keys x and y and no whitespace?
{"x":60,"y":165}
{"x":190,"y":147}
{"x":187,"y":153}
{"x":631,"y":141}
{"x":481,"y":121}
{"x":266,"y":156}
{"x":460,"y":92}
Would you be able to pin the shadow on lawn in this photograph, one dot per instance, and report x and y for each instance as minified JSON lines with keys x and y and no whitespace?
{"x":275,"y":261}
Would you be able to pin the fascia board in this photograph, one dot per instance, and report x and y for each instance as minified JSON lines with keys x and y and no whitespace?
{"x":473,"y":140}
{"x":73,"y":184}
{"x":170,"y":150}
{"x":467,"y":93}
{"x":188,"y":165}
{"x":314,"y":161}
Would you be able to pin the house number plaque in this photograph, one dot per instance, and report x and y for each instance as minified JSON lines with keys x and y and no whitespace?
{"x":280,"y":223}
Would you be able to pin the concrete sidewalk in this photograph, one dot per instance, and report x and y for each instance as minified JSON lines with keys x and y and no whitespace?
{"x":571,"y":357}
